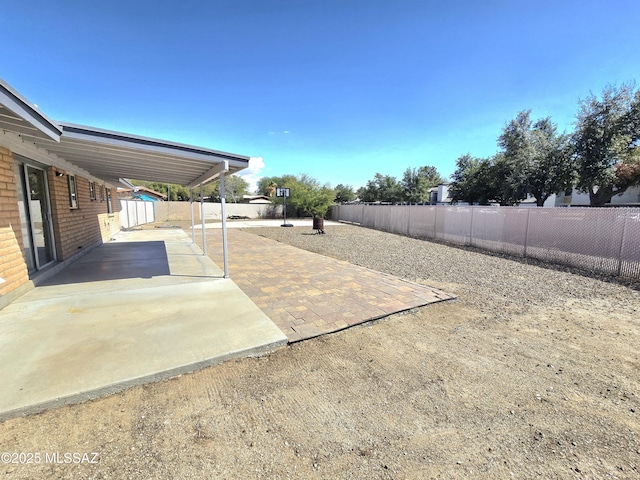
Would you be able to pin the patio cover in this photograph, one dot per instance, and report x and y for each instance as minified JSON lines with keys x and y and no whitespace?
{"x":112,"y":156}
{"x":18,"y":115}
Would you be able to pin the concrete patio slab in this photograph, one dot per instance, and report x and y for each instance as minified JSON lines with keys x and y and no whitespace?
{"x":145,"y":307}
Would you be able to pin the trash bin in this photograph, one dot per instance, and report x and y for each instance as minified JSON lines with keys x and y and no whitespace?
{"x":318,"y":224}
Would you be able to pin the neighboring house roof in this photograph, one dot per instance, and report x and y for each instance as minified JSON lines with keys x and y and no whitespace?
{"x":259,"y":199}
{"x":110,"y":155}
{"x":143,"y":193}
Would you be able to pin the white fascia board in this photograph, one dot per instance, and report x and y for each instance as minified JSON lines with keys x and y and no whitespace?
{"x":24,"y":109}
{"x":164,"y":147}
{"x":127,"y":184}
{"x":222,"y":167}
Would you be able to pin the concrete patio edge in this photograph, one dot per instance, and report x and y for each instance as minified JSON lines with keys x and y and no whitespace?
{"x":120,"y":386}
{"x":144,"y":308}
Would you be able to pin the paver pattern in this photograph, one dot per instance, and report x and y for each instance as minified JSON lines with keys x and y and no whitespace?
{"x":307,"y":294}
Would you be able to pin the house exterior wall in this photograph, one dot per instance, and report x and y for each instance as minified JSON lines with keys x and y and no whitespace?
{"x":577,"y":199}
{"x":83,"y":227}
{"x":13,"y":268}
{"x":74,"y":229}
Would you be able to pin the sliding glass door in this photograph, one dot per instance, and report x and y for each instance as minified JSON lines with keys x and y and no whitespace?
{"x":35,"y":216}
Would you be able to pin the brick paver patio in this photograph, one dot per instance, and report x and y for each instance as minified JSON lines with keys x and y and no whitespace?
{"x":307,"y":294}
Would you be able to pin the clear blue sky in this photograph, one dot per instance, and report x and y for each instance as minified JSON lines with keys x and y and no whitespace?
{"x":338,"y":89}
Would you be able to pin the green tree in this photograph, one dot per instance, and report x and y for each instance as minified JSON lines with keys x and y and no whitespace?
{"x":344,"y":193}
{"x":267,"y":185}
{"x":539,"y":160}
{"x":307,"y":195}
{"x":468,"y":182}
{"x":235,"y":188}
{"x":485,"y":180}
{"x":501,"y":181}
{"x":361,"y":193}
{"x":416,"y":183}
{"x":382,"y":188}
{"x":606,"y":143}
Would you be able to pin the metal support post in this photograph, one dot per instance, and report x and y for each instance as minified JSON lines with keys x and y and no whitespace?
{"x":193,"y":229}
{"x":204,"y":230}
{"x":224,"y":227}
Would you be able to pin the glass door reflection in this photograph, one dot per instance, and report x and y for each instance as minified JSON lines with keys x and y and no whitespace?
{"x":38,"y":195}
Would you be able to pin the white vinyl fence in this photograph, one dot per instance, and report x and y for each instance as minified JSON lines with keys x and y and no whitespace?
{"x":136,"y":212}
{"x":605,"y":240}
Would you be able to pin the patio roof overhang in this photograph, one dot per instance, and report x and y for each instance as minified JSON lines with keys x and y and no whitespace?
{"x":110,"y":155}
{"x":18,"y":115}
{"x":113,"y":155}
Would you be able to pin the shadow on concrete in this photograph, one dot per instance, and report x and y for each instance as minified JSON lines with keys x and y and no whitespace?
{"x":115,"y":261}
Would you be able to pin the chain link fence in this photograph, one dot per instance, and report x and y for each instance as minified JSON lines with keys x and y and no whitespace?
{"x":605,"y":240}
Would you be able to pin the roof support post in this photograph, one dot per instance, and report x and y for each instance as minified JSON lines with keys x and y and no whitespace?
{"x":224,"y":227}
{"x":193,"y":229}
{"x":204,"y":230}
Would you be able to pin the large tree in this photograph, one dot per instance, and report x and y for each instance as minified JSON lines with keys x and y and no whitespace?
{"x":344,"y":193}
{"x":416,"y":183}
{"x":382,"y":188}
{"x":606,"y":143}
{"x":485,"y":180}
{"x":537,"y":159}
{"x":307,"y":195}
{"x":235,"y":188}
{"x":469,"y":181}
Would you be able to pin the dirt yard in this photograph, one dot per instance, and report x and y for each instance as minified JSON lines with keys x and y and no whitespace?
{"x":534,"y":375}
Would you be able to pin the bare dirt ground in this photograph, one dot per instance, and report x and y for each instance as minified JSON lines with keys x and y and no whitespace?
{"x":532,"y":373}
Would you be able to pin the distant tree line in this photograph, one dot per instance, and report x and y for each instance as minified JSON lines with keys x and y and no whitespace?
{"x":601,"y":157}
{"x":413,"y":187}
{"x":235,"y":188}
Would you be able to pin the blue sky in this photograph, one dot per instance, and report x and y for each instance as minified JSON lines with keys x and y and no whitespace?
{"x":338,"y":89}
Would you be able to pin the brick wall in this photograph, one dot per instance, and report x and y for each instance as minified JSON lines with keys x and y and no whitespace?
{"x":13,"y":268}
{"x":109,"y":223}
{"x":82,"y":227}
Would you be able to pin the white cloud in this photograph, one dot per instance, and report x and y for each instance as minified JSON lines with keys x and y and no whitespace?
{"x":252,"y":173}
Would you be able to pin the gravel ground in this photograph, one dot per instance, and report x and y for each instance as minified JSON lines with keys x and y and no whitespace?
{"x":532,"y":373}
